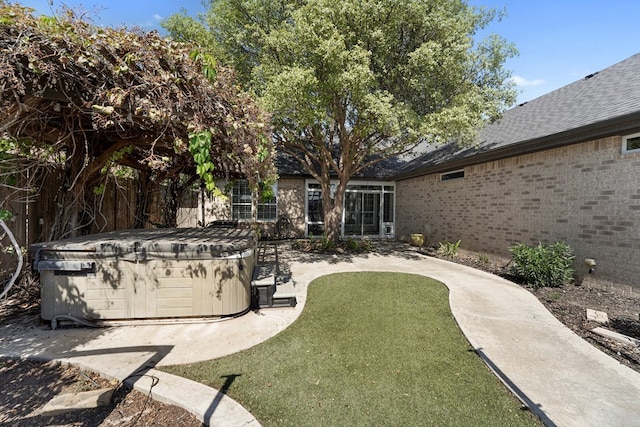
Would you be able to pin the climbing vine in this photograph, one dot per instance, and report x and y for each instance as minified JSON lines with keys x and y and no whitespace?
{"x":90,"y":101}
{"x":200,"y":148}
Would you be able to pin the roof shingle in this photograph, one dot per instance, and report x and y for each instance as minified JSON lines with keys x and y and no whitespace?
{"x":588,"y":103}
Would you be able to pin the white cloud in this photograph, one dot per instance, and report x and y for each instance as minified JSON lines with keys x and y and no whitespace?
{"x":521,"y":81}
{"x":157,"y":17}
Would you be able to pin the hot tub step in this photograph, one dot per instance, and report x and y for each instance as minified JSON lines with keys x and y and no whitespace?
{"x":262,"y":295}
{"x":289,"y":301}
{"x":265,"y":292}
{"x":285,"y":296}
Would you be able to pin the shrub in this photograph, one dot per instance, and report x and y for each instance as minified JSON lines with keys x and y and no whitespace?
{"x":326,"y":244}
{"x":352,"y":245}
{"x":366,"y":245}
{"x":483,"y":259}
{"x":542,"y":265}
{"x":448,"y":249}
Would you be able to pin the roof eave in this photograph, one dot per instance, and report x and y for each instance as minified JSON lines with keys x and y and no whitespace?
{"x":622,"y":125}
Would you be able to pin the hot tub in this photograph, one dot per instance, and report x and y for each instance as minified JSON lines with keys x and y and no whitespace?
{"x":148,"y":273}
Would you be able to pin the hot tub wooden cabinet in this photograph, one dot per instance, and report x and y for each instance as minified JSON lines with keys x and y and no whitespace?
{"x":142,"y":274}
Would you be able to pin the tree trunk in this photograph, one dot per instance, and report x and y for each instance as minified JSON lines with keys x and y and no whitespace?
{"x":171,"y":204}
{"x":143,"y":185}
{"x":176,"y":188}
{"x":332,"y":210}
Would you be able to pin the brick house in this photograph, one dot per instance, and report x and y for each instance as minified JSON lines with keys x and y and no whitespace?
{"x":565,"y":166}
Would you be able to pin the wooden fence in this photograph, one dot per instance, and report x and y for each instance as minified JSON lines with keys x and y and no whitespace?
{"x":35,"y":213}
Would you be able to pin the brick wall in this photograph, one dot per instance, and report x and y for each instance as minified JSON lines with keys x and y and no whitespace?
{"x":587,"y":195}
{"x":290,"y":203}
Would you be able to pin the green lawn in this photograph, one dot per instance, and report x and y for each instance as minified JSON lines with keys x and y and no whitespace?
{"x":369,"y":349}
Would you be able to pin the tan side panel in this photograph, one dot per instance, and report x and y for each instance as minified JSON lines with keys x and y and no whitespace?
{"x":158,"y":288}
{"x":107,"y":303}
{"x":174,"y":297}
{"x":47,"y":292}
{"x":80,"y":296}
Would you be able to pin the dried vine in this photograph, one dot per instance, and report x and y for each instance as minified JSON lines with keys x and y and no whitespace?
{"x":89,"y":100}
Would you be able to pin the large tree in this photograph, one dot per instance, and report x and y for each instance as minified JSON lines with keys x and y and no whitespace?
{"x":352,"y":82}
{"x":89,"y":100}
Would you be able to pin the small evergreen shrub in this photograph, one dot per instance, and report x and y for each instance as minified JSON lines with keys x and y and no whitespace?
{"x":352,"y":245}
{"x":543,"y":265}
{"x":326,"y":244}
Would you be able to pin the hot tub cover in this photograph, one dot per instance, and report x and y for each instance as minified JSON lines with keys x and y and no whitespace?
{"x":143,"y":244}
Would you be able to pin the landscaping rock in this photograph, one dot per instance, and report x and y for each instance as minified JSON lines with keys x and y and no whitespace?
{"x":597,"y":316}
{"x":74,"y":401}
{"x":616,"y":336}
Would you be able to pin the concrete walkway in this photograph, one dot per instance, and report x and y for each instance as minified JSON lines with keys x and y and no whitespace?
{"x":562,"y":378}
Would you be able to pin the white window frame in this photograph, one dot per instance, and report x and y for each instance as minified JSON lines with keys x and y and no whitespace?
{"x":249,"y":199}
{"x":269,"y":205}
{"x":386,"y":187}
{"x":241,"y":199}
{"x":625,"y":148}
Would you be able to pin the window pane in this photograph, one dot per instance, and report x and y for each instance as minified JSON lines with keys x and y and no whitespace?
{"x":388,"y":207}
{"x":314,"y":207}
{"x":241,"y":200}
{"x":241,"y":212}
{"x":267,"y":209}
{"x":452,"y":175}
{"x":315,"y":229}
{"x":633,"y":143}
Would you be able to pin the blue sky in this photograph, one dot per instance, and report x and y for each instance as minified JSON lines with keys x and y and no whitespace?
{"x":560,"y":41}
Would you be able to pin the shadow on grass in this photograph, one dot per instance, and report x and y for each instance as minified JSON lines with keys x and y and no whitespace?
{"x":229,"y":379}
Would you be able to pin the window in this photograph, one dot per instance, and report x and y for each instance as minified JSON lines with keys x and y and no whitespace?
{"x":241,"y":200}
{"x":242,"y":203}
{"x":314,"y":204}
{"x":388,"y":206}
{"x":452,"y":175}
{"x":315,"y":215}
{"x":368,"y":209}
{"x":631,"y":143}
{"x":267,"y":209}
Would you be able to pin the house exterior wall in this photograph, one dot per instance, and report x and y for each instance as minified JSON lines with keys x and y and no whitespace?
{"x":586,"y":194}
{"x":290,"y":199}
{"x":190,"y":212}
{"x":291,"y":202}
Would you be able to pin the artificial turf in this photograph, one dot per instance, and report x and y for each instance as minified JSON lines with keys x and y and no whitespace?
{"x":369,"y":349}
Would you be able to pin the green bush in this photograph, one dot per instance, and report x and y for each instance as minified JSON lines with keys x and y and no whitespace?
{"x":326,"y":244}
{"x":352,"y":245}
{"x":543,"y":265}
{"x":448,"y":249}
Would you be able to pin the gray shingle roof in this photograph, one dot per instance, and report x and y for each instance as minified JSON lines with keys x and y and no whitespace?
{"x":598,"y":105}
{"x":288,"y":166}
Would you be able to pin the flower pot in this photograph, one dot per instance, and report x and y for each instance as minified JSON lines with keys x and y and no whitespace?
{"x":417,"y":240}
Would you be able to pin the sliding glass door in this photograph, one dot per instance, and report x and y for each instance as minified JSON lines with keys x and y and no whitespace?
{"x":368,"y":210}
{"x":362,"y":214}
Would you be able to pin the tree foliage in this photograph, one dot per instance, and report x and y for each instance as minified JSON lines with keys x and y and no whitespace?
{"x":89,"y":100}
{"x":350,"y":83}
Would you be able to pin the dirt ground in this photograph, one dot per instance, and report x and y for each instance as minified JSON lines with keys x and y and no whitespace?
{"x":28,"y":385}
